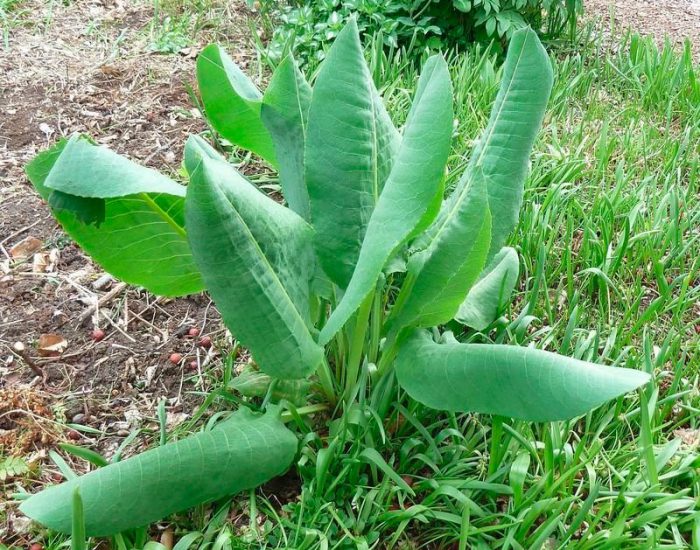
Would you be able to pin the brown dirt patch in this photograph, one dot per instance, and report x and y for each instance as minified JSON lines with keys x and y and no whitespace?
{"x":85,"y":66}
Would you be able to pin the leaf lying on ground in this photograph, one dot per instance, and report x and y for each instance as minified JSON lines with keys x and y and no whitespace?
{"x":25,"y":248}
{"x":51,"y":345}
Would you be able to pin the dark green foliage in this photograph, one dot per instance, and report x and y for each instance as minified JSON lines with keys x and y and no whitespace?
{"x":307,"y":26}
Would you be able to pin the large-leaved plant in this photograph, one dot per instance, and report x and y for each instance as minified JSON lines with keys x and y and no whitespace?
{"x":347,"y":285}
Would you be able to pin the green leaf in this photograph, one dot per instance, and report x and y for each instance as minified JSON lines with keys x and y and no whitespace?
{"x":253,"y":383}
{"x":502,"y":153}
{"x":127,"y":217}
{"x":87,"y":170}
{"x":450,"y":256}
{"x":195,"y":149}
{"x":487,"y":297}
{"x":86,"y":209}
{"x":77,"y":534}
{"x":350,"y":148}
{"x":256,"y":258}
{"x":523,"y":383}
{"x":232,"y":102}
{"x":240,"y":453}
{"x":451,"y":253}
{"x":409,"y":191}
{"x":284,"y":112}
{"x":371,"y":456}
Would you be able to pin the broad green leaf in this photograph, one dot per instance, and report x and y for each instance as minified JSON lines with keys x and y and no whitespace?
{"x":451,"y":252}
{"x":256,"y":258}
{"x":450,"y":256}
{"x":253,"y":383}
{"x":502,"y":153}
{"x":350,"y":148}
{"x":195,"y":149}
{"x":87,"y":170}
{"x":491,"y":291}
{"x":128,"y":218}
{"x":284,"y":112}
{"x":232,"y":102}
{"x":241,"y":453}
{"x":409,"y":191}
{"x":513,"y":381}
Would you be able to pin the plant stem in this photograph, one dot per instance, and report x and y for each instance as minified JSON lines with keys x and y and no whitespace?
{"x":301,"y":411}
{"x":388,"y":355}
{"x":357,"y":344}
{"x":376,"y":322}
{"x":405,"y":291}
{"x":495,"y":454}
{"x":647,"y":418}
{"x":325,"y":377}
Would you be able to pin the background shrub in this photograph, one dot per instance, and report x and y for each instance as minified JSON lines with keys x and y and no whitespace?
{"x":306,"y":26}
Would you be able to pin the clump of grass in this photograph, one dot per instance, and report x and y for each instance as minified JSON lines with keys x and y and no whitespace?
{"x":11,"y":16}
{"x":179,"y":24}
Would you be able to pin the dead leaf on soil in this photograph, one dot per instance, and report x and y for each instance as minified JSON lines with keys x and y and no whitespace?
{"x":25,"y":248}
{"x":46,"y":129}
{"x":51,"y":345}
{"x":110,"y":70}
{"x":45,"y":262}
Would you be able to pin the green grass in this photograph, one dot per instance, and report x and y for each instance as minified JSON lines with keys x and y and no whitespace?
{"x":11,"y":16}
{"x":179,"y":24}
{"x":608,"y":240}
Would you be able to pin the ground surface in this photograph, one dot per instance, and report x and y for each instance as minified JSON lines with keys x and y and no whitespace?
{"x":85,"y":67}
{"x":677,"y":20}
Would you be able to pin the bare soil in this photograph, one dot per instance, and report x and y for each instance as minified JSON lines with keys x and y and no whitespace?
{"x":85,"y":66}
{"x":675,"y":20}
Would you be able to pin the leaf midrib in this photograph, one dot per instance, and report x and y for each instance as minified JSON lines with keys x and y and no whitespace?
{"x":160,"y":212}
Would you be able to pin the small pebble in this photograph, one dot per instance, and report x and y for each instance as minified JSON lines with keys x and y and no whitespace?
{"x":74,"y":435}
{"x":123,"y":433}
{"x":79,"y":418}
{"x":205,"y":341}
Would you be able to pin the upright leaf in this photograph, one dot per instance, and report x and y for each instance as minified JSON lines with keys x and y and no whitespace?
{"x":256,"y":258}
{"x":503,"y":151}
{"x":513,"y":381}
{"x":491,"y":291}
{"x":409,"y":191}
{"x":232,"y":102}
{"x":127,"y":217}
{"x":350,"y":148}
{"x":467,"y":232}
{"x":238,"y":454}
{"x":449,"y":258}
{"x":284,"y":112}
